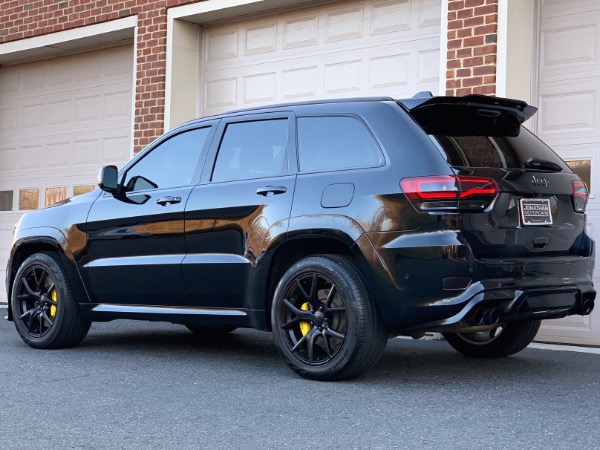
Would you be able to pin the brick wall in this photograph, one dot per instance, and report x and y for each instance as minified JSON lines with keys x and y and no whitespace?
{"x":21,"y":19}
{"x":472,"y":35}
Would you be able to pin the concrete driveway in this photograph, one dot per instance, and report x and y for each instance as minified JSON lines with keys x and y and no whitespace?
{"x":143,"y":385}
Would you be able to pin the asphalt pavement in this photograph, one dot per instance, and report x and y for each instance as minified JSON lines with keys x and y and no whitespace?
{"x":141,"y":385}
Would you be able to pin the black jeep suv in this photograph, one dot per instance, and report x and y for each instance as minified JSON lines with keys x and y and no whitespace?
{"x":334,"y":224}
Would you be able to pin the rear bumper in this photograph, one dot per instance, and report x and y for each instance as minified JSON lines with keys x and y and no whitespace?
{"x":434,"y":282}
{"x":485,"y":303}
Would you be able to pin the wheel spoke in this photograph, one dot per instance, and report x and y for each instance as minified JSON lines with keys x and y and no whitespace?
{"x":296,"y":320}
{"x":47,"y":319}
{"x":301,"y":341}
{"x":306,"y":315}
{"x":29,"y":312}
{"x":336,"y":310}
{"x":310,"y":346}
{"x":333,"y":333}
{"x":330,"y":296}
{"x":328,"y":348}
{"x":313,"y":288}
{"x":30,"y":291}
{"x":39,"y":279}
{"x":41,"y":320}
{"x":302,"y":291}
{"x":49,"y":290}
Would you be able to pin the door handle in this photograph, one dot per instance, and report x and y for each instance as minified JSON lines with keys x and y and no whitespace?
{"x":168,"y":200}
{"x":267,"y":191}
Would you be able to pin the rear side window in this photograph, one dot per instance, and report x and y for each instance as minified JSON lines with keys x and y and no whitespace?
{"x":326,"y":143}
{"x":253,"y":149}
{"x":494,"y":151}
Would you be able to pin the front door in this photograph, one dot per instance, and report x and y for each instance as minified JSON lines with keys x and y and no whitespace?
{"x":136,"y":238}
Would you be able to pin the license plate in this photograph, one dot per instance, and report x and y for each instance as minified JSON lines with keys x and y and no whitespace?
{"x":536,"y":211}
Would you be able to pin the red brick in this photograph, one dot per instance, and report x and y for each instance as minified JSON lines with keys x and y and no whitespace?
{"x":472,"y":62}
{"x":485,"y":90}
{"x":455,"y":5}
{"x":461,"y":73}
{"x":487,"y":9}
{"x":464,"y":52}
{"x":486,"y":29}
{"x":484,"y":70}
{"x":471,"y":3}
{"x":474,"y":21}
{"x":464,"y":13}
{"x":471,"y":82}
{"x":473,"y":41}
{"x":491,"y":18}
{"x":485,"y":50}
{"x":454,"y":43}
{"x":464,"y":32}
{"x":455,"y":24}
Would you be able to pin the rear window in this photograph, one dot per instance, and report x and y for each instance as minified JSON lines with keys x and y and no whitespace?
{"x":503,"y":152}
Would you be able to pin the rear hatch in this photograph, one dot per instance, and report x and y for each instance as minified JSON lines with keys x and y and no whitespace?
{"x":516,"y":197}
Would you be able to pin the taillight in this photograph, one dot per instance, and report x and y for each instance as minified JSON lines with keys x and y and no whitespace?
{"x":580,"y":196}
{"x":450,"y":192}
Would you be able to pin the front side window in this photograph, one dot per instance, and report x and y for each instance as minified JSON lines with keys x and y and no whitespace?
{"x":326,"y":143}
{"x":171,"y":164}
{"x":255,"y":149}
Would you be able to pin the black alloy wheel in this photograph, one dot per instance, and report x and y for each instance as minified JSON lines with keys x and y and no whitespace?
{"x":325,"y":323}
{"x":37,"y":300}
{"x":44,"y":311}
{"x":505,"y":340}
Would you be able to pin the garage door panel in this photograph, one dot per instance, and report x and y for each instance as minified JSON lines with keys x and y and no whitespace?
{"x":333,"y":50}
{"x":62,"y":120}
{"x":569,"y":121}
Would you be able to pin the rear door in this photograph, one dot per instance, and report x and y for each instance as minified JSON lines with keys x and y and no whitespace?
{"x":241,"y":207}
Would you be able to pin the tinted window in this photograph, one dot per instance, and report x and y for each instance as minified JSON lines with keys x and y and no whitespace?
{"x":252,"y":150}
{"x":171,"y":164}
{"x":335,"y":143}
{"x":495,"y":151}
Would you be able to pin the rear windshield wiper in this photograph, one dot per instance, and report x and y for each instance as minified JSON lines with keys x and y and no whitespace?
{"x":542,"y":164}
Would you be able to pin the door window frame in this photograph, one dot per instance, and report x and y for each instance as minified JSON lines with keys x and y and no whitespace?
{"x":211,"y":159}
{"x":212,"y":125}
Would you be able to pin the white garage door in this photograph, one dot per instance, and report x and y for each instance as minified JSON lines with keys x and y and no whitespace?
{"x":337,"y":49}
{"x":569,"y":121}
{"x":60,"y":120}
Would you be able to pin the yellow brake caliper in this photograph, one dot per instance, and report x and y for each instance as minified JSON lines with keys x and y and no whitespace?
{"x":54,"y":298}
{"x":305,"y":326}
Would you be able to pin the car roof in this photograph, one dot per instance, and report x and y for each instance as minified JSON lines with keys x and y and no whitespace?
{"x":418,"y":98}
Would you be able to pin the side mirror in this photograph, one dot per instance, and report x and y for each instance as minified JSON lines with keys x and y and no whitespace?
{"x":108,"y":179}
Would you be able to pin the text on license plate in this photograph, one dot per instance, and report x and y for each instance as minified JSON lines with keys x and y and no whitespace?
{"x":536,"y":211}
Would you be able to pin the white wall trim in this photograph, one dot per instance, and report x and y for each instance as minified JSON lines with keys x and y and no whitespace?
{"x":67,"y":40}
{"x":443,"y":47}
{"x":168,"y":70}
{"x":133,"y":90}
{"x":502,"y":48}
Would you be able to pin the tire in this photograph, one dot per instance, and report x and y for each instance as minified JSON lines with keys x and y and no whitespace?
{"x":512,"y":338}
{"x":210,"y":331}
{"x":45,"y":312}
{"x":342,"y":334}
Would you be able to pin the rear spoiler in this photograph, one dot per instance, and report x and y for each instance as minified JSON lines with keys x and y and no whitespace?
{"x":471,"y":115}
